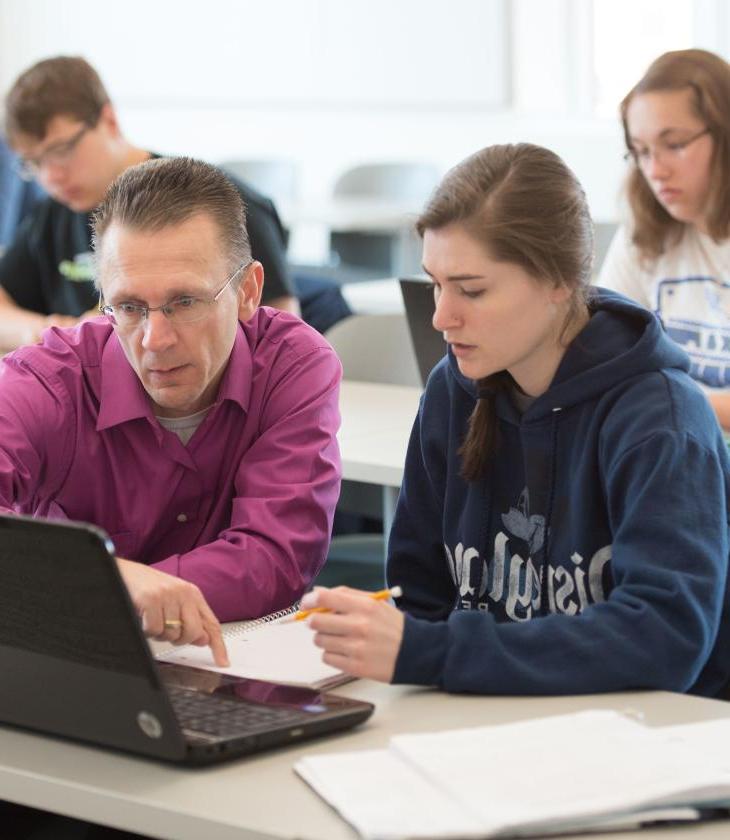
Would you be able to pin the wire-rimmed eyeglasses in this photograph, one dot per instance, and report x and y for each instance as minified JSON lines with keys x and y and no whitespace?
{"x":185,"y":309}
{"x":58,"y":154}
{"x":663,"y":150}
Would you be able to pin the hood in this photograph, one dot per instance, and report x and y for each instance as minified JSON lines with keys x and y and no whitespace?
{"x":621,"y":339}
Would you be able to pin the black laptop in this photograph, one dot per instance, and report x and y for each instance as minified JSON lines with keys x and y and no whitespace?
{"x":429,"y":346}
{"x":74,"y":662}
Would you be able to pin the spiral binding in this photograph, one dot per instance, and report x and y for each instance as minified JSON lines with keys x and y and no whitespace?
{"x":256,"y":623}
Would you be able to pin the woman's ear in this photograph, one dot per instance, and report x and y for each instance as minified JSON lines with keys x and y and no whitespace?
{"x":560,"y":293}
{"x":249,"y":291}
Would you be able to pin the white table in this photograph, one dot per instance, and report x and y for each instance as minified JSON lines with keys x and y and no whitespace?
{"x":261,"y":797}
{"x":373,"y":438}
{"x":374,"y":297}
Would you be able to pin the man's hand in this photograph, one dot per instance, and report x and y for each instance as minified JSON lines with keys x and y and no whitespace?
{"x":56,"y":320}
{"x":173,"y":609}
{"x":360,"y":635}
{"x":30,"y":330}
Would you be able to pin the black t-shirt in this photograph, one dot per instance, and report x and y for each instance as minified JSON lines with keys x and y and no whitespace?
{"x":48,"y":268}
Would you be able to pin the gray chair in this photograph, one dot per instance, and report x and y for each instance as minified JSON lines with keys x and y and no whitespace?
{"x":276,"y":179}
{"x":604,"y":233}
{"x":372,"y":348}
{"x":397,"y":181}
{"x":376,"y":348}
{"x":406,"y":185}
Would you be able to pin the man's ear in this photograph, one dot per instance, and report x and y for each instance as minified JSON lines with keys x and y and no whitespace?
{"x":249,"y":291}
{"x":108,"y":119}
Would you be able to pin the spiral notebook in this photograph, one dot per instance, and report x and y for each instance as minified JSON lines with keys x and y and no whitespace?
{"x":272,"y":648}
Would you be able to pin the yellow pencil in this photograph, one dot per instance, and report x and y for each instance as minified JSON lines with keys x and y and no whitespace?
{"x":382,"y":595}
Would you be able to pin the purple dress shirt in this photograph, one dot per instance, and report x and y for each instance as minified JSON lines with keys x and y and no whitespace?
{"x":244,"y":511}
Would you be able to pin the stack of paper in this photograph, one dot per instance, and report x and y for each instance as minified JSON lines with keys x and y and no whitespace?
{"x":590,"y":770}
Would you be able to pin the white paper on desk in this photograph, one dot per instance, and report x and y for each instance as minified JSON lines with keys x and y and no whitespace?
{"x":585,"y":771}
{"x":382,"y":798}
{"x":280,"y":651}
{"x":564,"y":769}
{"x":711,"y":737}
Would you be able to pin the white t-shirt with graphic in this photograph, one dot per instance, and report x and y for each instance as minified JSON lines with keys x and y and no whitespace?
{"x":688,"y":287}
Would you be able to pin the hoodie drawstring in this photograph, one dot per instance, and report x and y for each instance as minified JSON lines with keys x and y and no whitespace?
{"x":545,"y":568}
{"x":483,"y":534}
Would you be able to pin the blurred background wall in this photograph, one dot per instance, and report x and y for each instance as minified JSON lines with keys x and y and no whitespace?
{"x":327,"y":84}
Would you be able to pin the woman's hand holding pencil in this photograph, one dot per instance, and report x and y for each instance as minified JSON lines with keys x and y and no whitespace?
{"x":359,"y":632}
{"x":382,"y":595}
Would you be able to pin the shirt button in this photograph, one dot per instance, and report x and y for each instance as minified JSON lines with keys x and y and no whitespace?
{"x":181,"y":517}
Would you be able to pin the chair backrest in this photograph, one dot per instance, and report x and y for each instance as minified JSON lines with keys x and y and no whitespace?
{"x":276,"y":179}
{"x":376,"y":348}
{"x":604,"y":233}
{"x":412,"y":182}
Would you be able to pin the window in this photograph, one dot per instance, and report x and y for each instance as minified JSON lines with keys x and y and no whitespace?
{"x":627,"y":36}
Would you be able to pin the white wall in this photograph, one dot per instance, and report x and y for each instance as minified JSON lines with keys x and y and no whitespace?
{"x":331,"y":83}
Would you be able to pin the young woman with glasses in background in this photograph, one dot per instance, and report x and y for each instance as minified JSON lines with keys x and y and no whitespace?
{"x":673,"y":254}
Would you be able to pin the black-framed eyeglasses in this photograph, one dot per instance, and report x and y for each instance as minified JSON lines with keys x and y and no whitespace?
{"x":186,"y":309}
{"x":666,"y":149}
{"x":57,"y":154}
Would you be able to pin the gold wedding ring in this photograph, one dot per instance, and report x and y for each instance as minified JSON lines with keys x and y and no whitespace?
{"x":173,"y":623}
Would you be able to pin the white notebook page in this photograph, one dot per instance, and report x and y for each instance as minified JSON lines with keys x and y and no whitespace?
{"x":281,"y":651}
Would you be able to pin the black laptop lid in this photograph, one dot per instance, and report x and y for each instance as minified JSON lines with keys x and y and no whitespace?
{"x":74,"y":661}
{"x":429,"y":346}
{"x":73,"y":658}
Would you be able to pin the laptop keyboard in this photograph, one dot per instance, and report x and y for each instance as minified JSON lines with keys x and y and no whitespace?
{"x":222,"y":717}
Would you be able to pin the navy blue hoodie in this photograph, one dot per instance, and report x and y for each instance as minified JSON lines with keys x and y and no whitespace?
{"x":593,"y":555}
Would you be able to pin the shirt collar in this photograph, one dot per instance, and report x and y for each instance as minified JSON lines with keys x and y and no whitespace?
{"x":238,"y":377}
{"x":123,"y":397}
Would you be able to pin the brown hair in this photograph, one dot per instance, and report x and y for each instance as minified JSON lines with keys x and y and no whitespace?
{"x":527,"y":207}
{"x":159,"y":193}
{"x":65,"y":85}
{"x":707,"y":76}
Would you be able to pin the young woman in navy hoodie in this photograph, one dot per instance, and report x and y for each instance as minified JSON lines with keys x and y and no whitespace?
{"x":562,"y":526}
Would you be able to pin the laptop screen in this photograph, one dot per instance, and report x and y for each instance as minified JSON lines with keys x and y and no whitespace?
{"x":428,"y":344}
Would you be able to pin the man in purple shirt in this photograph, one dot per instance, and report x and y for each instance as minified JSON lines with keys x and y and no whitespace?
{"x":194,"y":427}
